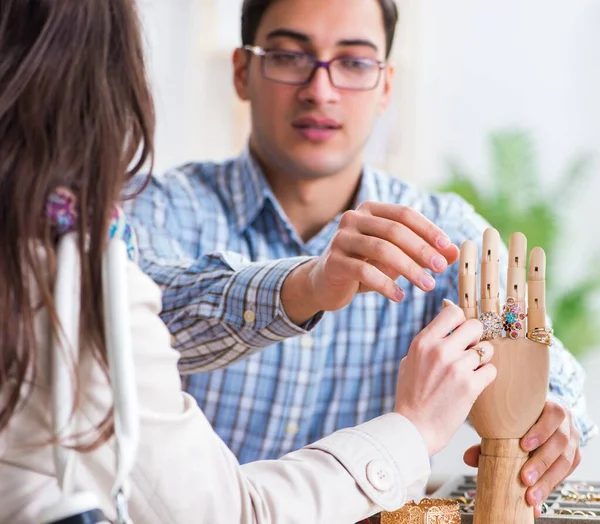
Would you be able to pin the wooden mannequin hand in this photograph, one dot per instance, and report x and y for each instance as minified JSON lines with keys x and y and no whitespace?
{"x":515,"y":406}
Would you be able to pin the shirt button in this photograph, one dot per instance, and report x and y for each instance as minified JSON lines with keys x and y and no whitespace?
{"x":249,"y":316}
{"x":380,"y":475}
{"x":292,"y":429}
{"x":306,"y":342}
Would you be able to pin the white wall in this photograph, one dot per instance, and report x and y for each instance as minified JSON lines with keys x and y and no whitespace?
{"x":492,"y":65}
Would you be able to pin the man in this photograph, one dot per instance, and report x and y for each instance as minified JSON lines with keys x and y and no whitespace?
{"x":315,"y":230}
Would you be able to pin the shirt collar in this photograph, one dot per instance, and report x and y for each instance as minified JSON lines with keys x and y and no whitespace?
{"x":370,"y":187}
{"x":251,"y":191}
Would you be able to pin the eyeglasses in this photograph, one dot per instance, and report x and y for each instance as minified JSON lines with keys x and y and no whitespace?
{"x":345,"y":72}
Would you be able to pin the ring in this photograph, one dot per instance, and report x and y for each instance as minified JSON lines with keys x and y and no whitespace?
{"x":512,"y":317}
{"x":541,"y":335}
{"x":481,"y":352}
{"x":493,"y":324}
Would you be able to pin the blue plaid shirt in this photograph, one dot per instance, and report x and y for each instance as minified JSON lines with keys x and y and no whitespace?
{"x":215,"y":239}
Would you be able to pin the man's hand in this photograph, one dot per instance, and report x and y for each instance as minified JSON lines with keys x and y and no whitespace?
{"x":554,"y":444}
{"x":374,"y":245}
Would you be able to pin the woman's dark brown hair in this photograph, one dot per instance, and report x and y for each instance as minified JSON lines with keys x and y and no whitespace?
{"x":76,"y":112}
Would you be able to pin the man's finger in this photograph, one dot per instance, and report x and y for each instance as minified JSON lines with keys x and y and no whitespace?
{"x":421,"y":225}
{"x":550,"y":420}
{"x":372,"y":278}
{"x":558,"y":446}
{"x":553,"y":476}
{"x":416,"y":247}
{"x":384,"y":252}
{"x":471,"y":456}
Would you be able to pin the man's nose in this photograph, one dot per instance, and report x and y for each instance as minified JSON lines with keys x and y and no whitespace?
{"x":320,"y":90}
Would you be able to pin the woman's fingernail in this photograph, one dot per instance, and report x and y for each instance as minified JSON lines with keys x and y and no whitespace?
{"x":400,"y":294}
{"x":443,"y":242}
{"x":438,"y":262}
{"x":427,"y":281}
{"x":447,"y":303}
{"x":537,"y":496}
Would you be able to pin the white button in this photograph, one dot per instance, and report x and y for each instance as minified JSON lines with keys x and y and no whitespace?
{"x":292,"y":429}
{"x":306,"y":342}
{"x":380,"y":475}
{"x":249,"y":315}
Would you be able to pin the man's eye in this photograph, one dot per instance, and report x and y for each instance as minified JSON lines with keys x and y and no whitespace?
{"x":287,"y":59}
{"x":357,"y":64}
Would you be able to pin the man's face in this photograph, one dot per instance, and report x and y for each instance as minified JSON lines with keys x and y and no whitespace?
{"x":314,"y":130}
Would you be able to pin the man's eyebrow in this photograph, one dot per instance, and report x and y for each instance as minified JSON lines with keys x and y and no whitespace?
{"x":358,"y":42}
{"x":288,"y":33}
{"x":303,"y":37}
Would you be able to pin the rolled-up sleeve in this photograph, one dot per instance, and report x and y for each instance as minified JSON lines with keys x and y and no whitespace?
{"x":219,"y":307}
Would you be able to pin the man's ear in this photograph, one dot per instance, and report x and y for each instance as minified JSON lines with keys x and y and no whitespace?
{"x":388,"y":79}
{"x":240,"y":73}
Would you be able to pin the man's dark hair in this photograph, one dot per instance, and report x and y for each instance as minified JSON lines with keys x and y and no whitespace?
{"x":254,"y":10}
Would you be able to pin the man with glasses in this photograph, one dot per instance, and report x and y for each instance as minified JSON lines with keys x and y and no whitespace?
{"x":268,"y":261}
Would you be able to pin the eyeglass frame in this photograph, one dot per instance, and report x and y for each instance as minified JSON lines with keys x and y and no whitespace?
{"x":262,"y":53}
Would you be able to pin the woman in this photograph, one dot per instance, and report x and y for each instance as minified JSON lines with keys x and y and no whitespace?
{"x":75,"y":116}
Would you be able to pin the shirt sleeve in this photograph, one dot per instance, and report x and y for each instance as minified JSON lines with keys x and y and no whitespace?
{"x":219,"y":307}
{"x":345,"y":477}
{"x":567,"y":376}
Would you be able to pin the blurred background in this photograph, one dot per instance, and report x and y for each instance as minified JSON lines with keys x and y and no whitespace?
{"x":498,"y":101}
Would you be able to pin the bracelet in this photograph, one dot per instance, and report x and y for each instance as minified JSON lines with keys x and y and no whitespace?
{"x":428,"y":511}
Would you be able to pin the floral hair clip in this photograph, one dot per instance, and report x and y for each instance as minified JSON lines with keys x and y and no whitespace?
{"x":60,"y":210}
{"x":62,"y":214}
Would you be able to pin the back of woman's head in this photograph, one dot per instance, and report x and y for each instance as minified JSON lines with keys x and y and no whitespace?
{"x":75,"y":113}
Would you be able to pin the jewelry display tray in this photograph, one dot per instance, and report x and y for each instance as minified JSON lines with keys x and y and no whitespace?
{"x":565,"y":504}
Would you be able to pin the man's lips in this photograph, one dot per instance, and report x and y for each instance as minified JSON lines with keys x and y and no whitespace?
{"x":316,"y":123}
{"x":316,"y":129}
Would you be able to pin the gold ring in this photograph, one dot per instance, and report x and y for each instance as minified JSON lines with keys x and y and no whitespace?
{"x":541,"y":335}
{"x":493,"y":324}
{"x":482,"y":352}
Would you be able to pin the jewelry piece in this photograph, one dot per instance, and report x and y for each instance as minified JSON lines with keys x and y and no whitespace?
{"x":513,"y":317}
{"x":541,"y":335}
{"x":481,"y":352}
{"x":493,"y":324}
{"x":428,"y":511}
{"x":61,"y":213}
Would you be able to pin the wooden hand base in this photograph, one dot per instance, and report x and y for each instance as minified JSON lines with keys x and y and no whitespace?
{"x":499,"y":484}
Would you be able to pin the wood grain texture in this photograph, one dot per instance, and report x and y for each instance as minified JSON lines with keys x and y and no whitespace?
{"x":504,"y":412}
{"x":499,"y":484}
{"x":514,"y":401}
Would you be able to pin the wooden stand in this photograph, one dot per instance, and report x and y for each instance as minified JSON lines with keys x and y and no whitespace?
{"x":499,"y":484}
